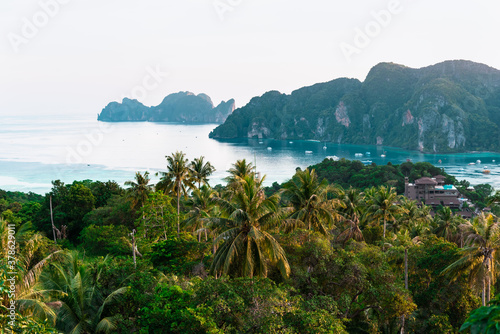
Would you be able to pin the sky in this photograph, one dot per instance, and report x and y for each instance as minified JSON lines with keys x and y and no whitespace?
{"x":73,"y":57}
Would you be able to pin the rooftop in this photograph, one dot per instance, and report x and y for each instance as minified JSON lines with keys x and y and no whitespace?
{"x":426,"y":181}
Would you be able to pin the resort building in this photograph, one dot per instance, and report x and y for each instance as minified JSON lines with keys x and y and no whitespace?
{"x":434,"y":192}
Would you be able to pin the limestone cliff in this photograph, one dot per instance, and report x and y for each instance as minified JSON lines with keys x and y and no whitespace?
{"x":179,"y":107}
{"x":452,"y":106}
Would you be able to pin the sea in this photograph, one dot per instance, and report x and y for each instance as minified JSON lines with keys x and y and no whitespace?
{"x":36,"y":150}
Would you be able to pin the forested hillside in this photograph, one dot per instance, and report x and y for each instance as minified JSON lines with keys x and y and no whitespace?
{"x":312,"y":255}
{"x":452,"y":106}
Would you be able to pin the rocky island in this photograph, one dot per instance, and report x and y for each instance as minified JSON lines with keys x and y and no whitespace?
{"x":453,"y":106}
{"x":178,"y":107}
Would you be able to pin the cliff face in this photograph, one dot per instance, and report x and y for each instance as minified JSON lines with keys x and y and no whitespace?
{"x":452,"y":106}
{"x":179,"y":107}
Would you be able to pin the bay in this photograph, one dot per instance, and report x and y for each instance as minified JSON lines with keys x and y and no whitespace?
{"x":37,"y":150}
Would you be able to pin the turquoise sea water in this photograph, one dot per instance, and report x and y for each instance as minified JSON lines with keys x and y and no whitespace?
{"x":35,"y":151}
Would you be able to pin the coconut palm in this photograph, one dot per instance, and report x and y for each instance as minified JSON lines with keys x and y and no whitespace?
{"x":29,"y":247}
{"x":140,"y":189}
{"x":178,"y":173}
{"x":201,"y":170}
{"x":239,"y":171}
{"x":446,"y":224}
{"x":413,"y":218}
{"x":201,"y":209}
{"x":310,"y":206}
{"x":480,"y":256}
{"x":246,"y":247}
{"x":352,"y":202}
{"x":352,"y":230}
{"x":382,"y":205}
{"x":76,"y":298}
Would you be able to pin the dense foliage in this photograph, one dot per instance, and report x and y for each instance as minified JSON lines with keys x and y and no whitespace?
{"x":333,"y":250}
{"x":448,"y":107}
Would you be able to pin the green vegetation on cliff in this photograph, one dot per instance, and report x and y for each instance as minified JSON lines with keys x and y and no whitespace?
{"x":448,"y":107}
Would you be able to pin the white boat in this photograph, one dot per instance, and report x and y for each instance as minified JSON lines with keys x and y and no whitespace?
{"x":485,"y":167}
{"x":368,"y":154}
{"x":367,"y":162}
{"x":309,"y":152}
{"x":471,"y":163}
{"x":290,"y":142}
{"x":382,"y":155}
{"x":478,"y":161}
{"x":358,"y":154}
{"x":261,"y":142}
{"x":269,"y":148}
{"x":333,"y":157}
{"x":324,"y":147}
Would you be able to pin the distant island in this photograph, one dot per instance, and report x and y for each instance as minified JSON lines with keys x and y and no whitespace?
{"x":178,"y":107}
{"x":453,"y":106}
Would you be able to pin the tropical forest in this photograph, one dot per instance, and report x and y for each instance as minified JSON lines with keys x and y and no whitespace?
{"x":335,"y":249}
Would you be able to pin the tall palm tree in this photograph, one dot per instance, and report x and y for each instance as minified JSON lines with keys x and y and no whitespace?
{"x":446,"y":224}
{"x":201,"y":209}
{"x":413,"y":218}
{"x":201,"y":170}
{"x":29,"y":247}
{"x":239,"y":171}
{"x":352,"y":231}
{"x":351,"y":202}
{"x":76,"y":298}
{"x":246,"y":246}
{"x":382,"y":205}
{"x":310,"y":206}
{"x":178,"y":173}
{"x":480,"y":256}
{"x":140,"y":189}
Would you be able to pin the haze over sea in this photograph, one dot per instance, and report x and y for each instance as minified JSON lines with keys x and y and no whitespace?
{"x":37,"y":150}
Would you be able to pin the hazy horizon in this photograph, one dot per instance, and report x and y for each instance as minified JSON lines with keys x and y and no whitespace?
{"x":74,"y":57}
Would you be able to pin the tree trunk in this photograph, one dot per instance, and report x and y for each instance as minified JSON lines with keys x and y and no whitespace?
{"x":406,"y":287}
{"x":384,"y":231}
{"x":488,"y":281}
{"x":52,"y":220}
{"x":483,"y":297}
{"x":178,"y":210}
{"x":133,"y":249}
{"x":406,"y":268}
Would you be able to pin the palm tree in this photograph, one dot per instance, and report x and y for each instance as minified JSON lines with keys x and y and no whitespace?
{"x":76,"y":298}
{"x":29,"y":246}
{"x":239,"y":171}
{"x":140,"y":189}
{"x":310,"y":206}
{"x":352,"y":202}
{"x":352,"y":231}
{"x":202,"y":208}
{"x":413,"y":218}
{"x":382,"y":205}
{"x":178,"y":173}
{"x":480,"y":256}
{"x":446,"y":224}
{"x":246,"y":246}
{"x":201,"y":170}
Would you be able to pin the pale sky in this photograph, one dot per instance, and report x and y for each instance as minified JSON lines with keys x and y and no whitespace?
{"x":75,"y":56}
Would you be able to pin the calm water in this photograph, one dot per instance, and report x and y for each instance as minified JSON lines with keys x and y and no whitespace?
{"x":35,"y":151}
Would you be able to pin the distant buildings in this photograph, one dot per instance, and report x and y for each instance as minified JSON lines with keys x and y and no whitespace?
{"x":434,"y":192}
